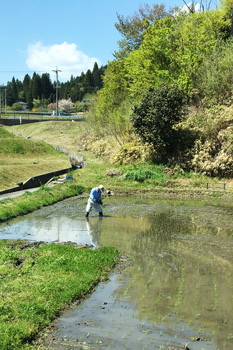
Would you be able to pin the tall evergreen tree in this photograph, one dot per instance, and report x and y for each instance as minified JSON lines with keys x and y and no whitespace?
{"x":27,"y":90}
{"x":88,"y":83}
{"x":97,"y":80}
{"x":19,"y":86}
{"x":12,"y":93}
{"x":46,"y":86}
{"x":36,"y":86}
{"x":26,"y":84}
{"x":14,"y":90}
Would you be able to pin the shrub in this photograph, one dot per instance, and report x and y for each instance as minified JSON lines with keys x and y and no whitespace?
{"x":16,"y":107}
{"x":132,"y":152}
{"x":153,"y":119}
{"x":144,"y":171}
{"x":138,"y":175}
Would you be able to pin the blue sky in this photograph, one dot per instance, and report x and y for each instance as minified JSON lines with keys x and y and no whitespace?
{"x":40,"y":35}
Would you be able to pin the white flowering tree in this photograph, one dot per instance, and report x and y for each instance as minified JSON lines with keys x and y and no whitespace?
{"x":65,"y":105}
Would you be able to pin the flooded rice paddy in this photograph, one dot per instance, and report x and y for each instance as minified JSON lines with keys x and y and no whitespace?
{"x":177,"y":291}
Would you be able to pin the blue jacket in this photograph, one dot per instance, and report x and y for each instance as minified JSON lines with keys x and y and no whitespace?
{"x":95,"y":196}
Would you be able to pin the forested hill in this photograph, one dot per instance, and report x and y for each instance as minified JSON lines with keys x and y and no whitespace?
{"x":39,"y":90}
{"x":167,"y":96}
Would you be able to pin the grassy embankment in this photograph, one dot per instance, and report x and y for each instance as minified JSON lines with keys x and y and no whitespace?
{"x":17,"y":155}
{"x":21,"y":158}
{"x":38,"y":281}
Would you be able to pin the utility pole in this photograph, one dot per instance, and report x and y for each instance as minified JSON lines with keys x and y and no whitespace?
{"x":57,"y":87}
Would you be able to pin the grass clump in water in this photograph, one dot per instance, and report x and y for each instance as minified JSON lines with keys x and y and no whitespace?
{"x":38,"y":281}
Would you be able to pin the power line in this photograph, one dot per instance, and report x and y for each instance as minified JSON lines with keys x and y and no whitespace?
{"x":21,"y":71}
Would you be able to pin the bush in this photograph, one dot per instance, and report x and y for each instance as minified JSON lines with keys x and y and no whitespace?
{"x":154,"y":118}
{"x":132,"y":152}
{"x":16,"y":107}
{"x":144,"y":171}
{"x":138,"y":175}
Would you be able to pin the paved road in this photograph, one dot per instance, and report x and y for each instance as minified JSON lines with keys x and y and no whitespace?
{"x":17,"y":193}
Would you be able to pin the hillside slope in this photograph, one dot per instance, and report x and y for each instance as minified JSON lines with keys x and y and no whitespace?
{"x":21,"y":158}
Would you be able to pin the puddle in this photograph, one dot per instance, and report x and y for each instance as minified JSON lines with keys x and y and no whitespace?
{"x":178,"y":290}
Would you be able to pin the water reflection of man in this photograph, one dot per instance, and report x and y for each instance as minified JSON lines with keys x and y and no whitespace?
{"x":94,"y":230}
{"x":95,"y":200}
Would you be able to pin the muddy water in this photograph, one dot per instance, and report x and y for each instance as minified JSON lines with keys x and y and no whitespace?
{"x":178,"y":289}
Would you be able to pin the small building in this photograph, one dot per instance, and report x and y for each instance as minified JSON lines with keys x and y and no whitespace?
{"x":23,"y":104}
{"x":86,"y":100}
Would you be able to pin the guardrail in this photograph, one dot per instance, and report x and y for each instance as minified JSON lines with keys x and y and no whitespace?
{"x":35,"y":119}
{"x":222,"y":185}
{"x":30,"y":113}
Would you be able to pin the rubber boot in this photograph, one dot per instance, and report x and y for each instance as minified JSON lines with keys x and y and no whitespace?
{"x":100,"y":214}
{"x":87,"y":214}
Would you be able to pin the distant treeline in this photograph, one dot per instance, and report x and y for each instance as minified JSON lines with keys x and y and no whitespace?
{"x":40,"y":87}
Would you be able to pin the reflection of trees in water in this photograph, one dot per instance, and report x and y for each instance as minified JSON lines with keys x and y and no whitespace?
{"x":164,"y":226}
{"x":154,"y":242}
{"x":176,"y":274}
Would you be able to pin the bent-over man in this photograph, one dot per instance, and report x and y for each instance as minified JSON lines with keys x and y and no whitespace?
{"x":95,"y":200}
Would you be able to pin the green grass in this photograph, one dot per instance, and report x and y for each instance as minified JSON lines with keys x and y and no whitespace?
{"x":156,"y":174}
{"x":62,"y":133}
{"x":5,"y":134}
{"x":22,"y":158}
{"x":21,"y":145}
{"x":37,"y":282}
{"x":144,"y":171}
{"x":31,"y":201}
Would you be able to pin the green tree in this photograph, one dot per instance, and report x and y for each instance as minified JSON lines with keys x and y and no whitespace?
{"x":213,"y":80}
{"x":12,"y":92}
{"x":110,"y":112}
{"x":173,"y":48}
{"x":97,"y":79}
{"x":19,"y":87}
{"x":88,"y":82}
{"x":154,"y":118}
{"x":27,"y":91}
{"x":46,"y":86}
{"x":132,"y":27}
{"x":26,"y":84}
{"x":35,"y":86}
{"x":227,"y":8}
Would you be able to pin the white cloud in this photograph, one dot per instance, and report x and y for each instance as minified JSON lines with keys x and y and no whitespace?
{"x":186,"y":8}
{"x":65,"y":57}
